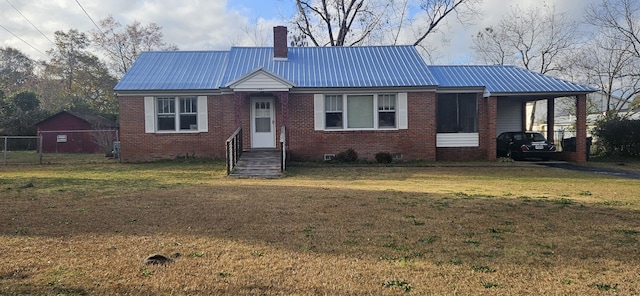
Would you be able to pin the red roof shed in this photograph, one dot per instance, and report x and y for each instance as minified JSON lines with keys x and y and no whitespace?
{"x":71,"y":132}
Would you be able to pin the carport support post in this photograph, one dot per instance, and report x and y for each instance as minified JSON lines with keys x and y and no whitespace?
{"x":581,"y":129}
{"x":550,"y":119}
{"x":491,"y":111}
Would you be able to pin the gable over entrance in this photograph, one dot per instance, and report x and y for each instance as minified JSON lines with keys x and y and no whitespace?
{"x":260,"y":80}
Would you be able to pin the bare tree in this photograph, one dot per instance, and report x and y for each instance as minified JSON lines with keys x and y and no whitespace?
{"x":491,"y":47}
{"x":536,"y":39}
{"x":357,"y":22}
{"x":122,"y":46}
{"x":611,"y":60}
{"x":436,"y":11}
{"x":620,"y":18}
{"x":104,"y":138}
{"x":400,"y":12}
{"x":338,"y":22}
{"x":257,"y":33}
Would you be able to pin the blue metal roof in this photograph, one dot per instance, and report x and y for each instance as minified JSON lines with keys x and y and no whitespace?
{"x":503,"y":79}
{"x":328,"y":67}
{"x":175,"y":70}
{"x":368,"y":66}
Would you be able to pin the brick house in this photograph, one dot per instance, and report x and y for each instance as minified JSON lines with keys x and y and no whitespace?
{"x":372,"y":99}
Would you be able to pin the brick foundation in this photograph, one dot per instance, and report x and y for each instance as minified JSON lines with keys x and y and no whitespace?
{"x":461,"y":154}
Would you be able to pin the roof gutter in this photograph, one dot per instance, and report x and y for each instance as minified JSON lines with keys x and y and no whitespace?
{"x":140,"y":93}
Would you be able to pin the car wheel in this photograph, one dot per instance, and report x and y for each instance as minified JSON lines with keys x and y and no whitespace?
{"x":515,"y":156}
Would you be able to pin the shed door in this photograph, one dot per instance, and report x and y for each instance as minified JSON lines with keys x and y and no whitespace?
{"x":263,"y":123}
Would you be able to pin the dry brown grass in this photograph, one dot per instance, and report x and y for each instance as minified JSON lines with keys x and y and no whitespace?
{"x":476,"y":228}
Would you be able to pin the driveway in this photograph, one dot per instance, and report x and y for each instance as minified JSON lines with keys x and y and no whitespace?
{"x":603,"y":171}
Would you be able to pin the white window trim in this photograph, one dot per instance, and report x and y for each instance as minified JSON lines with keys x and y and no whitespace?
{"x":400,"y":110}
{"x":151,"y":115}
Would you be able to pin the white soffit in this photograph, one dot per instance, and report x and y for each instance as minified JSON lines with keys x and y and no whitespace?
{"x":260,"y":80}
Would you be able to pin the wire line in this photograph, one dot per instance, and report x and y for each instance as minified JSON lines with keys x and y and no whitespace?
{"x":34,"y":26}
{"x":25,"y":42}
{"x":85,"y":12}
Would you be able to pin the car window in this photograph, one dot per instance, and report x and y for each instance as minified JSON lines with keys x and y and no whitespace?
{"x":535,"y":137}
{"x":518,"y":137}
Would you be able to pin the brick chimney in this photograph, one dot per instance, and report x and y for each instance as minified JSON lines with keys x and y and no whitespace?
{"x":280,"y":49}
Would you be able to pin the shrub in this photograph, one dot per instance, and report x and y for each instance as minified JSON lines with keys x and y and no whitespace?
{"x":348,"y":155}
{"x":619,"y":137}
{"x":384,"y":157}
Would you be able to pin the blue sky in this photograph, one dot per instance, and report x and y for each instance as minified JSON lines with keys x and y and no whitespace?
{"x":215,"y":24}
{"x":254,"y":9}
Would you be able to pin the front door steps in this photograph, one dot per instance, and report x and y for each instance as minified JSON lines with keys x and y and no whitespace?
{"x":258,"y":163}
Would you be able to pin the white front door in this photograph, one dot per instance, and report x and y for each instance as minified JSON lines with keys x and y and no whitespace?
{"x":263,"y":123}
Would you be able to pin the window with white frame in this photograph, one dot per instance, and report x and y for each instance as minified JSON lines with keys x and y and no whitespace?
{"x":333,"y":111}
{"x":188,"y":113}
{"x":166,"y":114}
{"x":186,"y":119}
{"x":175,"y":114}
{"x":360,"y":111}
{"x":387,"y":111}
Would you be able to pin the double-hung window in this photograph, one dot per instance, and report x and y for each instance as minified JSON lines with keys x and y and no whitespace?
{"x":333,"y":112}
{"x":186,"y":119}
{"x":386,"y":111}
{"x":359,"y":111}
{"x":175,"y":114}
{"x":188,"y":113}
{"x":166,"y":114}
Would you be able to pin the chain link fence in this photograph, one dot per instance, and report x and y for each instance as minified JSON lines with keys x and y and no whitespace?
{"x":20,"y":150}
{"x":60,"y":147}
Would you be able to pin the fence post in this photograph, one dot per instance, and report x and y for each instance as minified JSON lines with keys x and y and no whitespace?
{"x":120,"y":149}
{"x":40,"y":148}
{"x":5,"y":150}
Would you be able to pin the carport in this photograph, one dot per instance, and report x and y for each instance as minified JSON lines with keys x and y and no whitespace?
{"x":507,"y":89}
{"x":511,"y":116}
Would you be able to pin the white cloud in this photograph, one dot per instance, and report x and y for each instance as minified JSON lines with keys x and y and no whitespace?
{"x":190,"y":24}
{"x":458,"y":50}
{"x":219,"y":24}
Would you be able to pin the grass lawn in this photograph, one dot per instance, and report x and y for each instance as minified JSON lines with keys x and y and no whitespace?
{"x":446,"y":228}
{"x":615,"y":163}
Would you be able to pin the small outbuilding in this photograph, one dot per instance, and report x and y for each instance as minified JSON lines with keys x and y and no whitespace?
{"x":72,"y":132}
